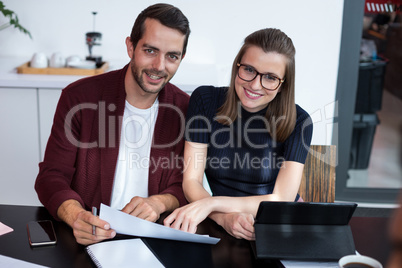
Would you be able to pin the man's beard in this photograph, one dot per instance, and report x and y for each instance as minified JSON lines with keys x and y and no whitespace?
{"x":140,"y":81}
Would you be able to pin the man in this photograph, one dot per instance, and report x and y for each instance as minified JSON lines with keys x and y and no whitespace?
{"x":117,"y":138}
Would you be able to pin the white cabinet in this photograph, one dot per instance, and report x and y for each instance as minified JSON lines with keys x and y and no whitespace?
{"x":19,"y":146}
{"x":48,"y":99}
{"x":26,"y":118}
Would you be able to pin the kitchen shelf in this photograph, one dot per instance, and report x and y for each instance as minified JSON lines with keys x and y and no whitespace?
{"x":26,"y":69}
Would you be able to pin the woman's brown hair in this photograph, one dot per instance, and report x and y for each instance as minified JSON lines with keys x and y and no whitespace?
{"x":281,"y":112}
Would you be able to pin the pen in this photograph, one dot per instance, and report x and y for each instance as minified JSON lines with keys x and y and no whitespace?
{"x":94,"y":212}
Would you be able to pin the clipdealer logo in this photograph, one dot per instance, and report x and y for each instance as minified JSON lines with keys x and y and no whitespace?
{"x":381,"y":6}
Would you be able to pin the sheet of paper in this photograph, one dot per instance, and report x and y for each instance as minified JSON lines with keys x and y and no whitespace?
{"x":124,"y":223}
{"x":123,"y":253}
{"x":4,"y":229}
{"x":11,"y":262}
{"x":309,"y":264}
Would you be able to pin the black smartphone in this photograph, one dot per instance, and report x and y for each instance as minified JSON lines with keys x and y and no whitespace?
{"x":41,"y":233}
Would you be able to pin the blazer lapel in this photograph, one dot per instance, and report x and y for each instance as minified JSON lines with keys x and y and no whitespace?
{"x":114,"y":96}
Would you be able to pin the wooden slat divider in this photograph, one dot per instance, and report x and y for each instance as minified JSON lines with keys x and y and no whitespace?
{"x":318,"y":180}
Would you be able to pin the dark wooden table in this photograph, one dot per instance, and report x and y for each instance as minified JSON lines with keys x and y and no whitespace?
{"x":370,"y":234}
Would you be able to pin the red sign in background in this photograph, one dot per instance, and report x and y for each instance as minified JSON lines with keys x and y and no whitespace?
{"x":383,"y":6}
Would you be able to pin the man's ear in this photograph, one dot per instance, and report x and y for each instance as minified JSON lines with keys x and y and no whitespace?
{"x":130,"y":47}
{"x":182,"y":57}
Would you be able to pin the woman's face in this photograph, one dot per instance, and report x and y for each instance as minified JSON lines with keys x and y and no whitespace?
{"x":252,"y":95}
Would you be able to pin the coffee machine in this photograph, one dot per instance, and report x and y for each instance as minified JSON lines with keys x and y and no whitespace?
{"x":93,"y":39}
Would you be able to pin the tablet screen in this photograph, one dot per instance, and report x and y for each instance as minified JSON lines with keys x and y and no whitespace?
{"x":305,"y":213}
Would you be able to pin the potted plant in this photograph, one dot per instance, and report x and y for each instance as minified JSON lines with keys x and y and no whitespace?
{"x":13,"y":20}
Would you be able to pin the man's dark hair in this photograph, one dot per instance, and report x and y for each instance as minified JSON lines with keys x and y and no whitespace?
{"x":167,"y":15}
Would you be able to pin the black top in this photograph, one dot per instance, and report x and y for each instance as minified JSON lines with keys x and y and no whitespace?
{"x":242,"y":159}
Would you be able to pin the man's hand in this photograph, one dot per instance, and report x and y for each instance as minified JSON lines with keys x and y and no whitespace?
{"x":149,"y":208}
{"x":82,"y":228}
{"x":82,"y":221}
{"x":239,"y":225}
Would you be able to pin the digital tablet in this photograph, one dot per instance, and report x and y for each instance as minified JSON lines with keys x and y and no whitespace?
{"x":304,"y":231}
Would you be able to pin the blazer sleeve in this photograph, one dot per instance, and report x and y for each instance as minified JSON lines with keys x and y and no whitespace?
{"x":58,"y":167}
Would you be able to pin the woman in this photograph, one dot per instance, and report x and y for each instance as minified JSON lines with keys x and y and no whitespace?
{"x":251,"y":139}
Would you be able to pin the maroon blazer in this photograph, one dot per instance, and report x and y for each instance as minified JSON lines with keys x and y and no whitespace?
{"x":82,"y":150}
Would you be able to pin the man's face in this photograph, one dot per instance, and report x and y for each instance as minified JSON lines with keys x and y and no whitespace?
{"x":156,"y":57}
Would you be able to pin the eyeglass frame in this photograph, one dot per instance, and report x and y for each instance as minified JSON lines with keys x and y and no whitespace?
{"x":259,"y":74}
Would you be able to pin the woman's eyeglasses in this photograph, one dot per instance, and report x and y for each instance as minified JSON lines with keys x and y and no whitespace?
{"x":268,"y":81}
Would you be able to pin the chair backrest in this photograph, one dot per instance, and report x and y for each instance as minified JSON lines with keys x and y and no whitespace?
{"x":318,"y":180}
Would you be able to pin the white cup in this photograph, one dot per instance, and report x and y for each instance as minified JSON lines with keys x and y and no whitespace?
{"x":57,"y":60}
{"x":364,"y":261}
{"x":74,"y":59}
{"x":39,"y":60}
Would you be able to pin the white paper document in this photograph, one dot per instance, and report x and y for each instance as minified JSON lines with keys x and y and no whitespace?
{"x":15,"y":263}
{"x":123,"y":253}
{"x":124,"y":223}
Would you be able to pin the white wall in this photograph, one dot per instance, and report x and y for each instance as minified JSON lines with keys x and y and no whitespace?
{"x":218,"y":28}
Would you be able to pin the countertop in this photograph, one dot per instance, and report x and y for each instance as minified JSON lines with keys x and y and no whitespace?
{"x":10,"y":78}
{"x":188,"y":77}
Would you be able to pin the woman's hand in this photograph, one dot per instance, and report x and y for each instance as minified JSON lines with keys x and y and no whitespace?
{"x":188,"y":217}
{"x":239,"y":225}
